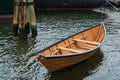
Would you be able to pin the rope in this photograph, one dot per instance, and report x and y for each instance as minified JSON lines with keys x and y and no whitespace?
{"x":116,"y":9}
{"x":30,"y":61}
{"x":116,"y":2}
{"x":112,"y":5}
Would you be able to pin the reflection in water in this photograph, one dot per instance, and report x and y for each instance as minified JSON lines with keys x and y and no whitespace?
{"x":13,"y":56}
{"x":23,"y":46}
{"x":5,"y":28}
{"x":81,"y":70}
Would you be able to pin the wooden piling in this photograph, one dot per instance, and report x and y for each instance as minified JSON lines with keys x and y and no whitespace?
{"x":24,"y":18}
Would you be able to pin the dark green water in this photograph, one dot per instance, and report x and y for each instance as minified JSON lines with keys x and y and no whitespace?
{"x":53,"y":27}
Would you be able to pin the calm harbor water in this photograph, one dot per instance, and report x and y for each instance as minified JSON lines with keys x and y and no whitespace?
{"x":53,"y":27}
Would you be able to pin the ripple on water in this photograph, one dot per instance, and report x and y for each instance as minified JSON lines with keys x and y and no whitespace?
{"x":53,"y":27}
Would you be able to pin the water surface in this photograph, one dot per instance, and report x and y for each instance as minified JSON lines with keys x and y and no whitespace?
{"x":53,"y":27}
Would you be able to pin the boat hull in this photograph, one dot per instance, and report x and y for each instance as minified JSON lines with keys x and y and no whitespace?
{"x":68,"y":4}
{"x":57,"y":63}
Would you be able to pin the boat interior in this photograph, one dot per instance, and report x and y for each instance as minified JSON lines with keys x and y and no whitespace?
{"x":78,"y":43}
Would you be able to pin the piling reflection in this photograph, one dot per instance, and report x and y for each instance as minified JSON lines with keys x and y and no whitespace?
{"x":81,"y":70}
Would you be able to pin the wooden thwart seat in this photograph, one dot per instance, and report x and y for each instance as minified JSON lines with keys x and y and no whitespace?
{"x":86,"y":47}
{"x":68,"y":49}
{"x":85,"y":41}
{"x":55,"y":52}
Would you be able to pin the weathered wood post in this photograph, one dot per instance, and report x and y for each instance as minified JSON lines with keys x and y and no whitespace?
{"x":24,"y":18}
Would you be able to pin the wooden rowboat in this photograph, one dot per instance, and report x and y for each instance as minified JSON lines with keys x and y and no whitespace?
{"x":73,"y":49}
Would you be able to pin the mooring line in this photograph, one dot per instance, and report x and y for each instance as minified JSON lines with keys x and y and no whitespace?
{"x":116,"y":9}
{"x":30,"y":61}
{"x":112,"y":5}
{"x":116,"y":2}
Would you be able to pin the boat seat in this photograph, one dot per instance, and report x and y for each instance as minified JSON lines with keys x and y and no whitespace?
{"x":85,"y":41}
{"x":86,"y":47}
{"x":68,"y":49}
{"x":55,"y":52}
